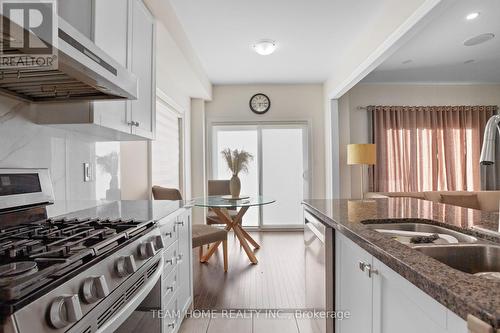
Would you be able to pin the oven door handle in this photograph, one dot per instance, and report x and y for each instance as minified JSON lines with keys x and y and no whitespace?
{"x":115,"y":321}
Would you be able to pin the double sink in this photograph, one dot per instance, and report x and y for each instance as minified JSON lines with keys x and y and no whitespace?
{"x":465,"y":253}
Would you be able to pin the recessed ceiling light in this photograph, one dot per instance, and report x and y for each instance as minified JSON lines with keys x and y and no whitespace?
{"x":470,"y":61}
{"x":265,"y":47}
{"x":472,"y":16}
{"x":406,"y":62}
{"x":479,"y":39}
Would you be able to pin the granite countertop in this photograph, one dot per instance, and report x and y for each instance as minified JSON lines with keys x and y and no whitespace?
{"x":460,"y":292}
{"x":134,"y":209}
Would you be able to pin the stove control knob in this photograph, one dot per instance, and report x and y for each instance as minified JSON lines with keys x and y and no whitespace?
{"x":65,"y":310}
{"x":94,"y":288}
{"x":147,"y":250}
{"x":125,"y":266}
{"x":160,"y":244}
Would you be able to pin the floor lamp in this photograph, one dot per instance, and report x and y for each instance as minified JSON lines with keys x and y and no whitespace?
{"x":362,"y":154}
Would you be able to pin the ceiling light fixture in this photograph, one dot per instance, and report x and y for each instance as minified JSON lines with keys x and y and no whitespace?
{"x":264,"y":47}
{"x":479,"y":39}
{"x":472,"y":16}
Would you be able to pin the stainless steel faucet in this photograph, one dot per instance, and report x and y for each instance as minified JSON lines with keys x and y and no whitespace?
{"x":488,"y":149}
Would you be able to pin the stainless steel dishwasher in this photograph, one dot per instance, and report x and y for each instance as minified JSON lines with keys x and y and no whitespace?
{"x":319,"y":271}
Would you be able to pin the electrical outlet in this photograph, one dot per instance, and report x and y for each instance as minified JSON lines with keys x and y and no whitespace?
{"x":87,"y":172}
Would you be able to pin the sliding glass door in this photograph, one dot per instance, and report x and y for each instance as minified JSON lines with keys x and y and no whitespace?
{"x":284,"y":165}
{"x":279,"y":168}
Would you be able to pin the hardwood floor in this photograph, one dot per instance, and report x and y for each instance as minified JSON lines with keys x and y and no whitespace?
{"x":252,"y":323}
{"x":276,"y":282}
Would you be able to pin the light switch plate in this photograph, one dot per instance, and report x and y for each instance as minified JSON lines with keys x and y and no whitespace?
{"x":87,"y":172}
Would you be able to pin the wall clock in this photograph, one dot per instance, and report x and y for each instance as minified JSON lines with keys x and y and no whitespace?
{"x":260,"y":103}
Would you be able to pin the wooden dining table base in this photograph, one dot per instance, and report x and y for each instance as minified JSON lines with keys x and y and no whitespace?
{"x":235,"y":224}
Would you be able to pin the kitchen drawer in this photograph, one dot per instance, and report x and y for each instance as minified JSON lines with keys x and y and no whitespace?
{"x":168,"y":231}
{"x":170,"y":318}
{"x":170,"y":258}
{"x":170,"y":285}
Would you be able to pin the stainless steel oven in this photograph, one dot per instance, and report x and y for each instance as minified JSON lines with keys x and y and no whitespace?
{"x":319,"y":271}
{"x":76,"y":273}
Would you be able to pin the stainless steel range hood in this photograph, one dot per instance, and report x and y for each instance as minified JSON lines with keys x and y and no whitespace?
{"x":84,"y":72}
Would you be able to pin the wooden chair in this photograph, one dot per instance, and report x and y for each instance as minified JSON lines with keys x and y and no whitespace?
{"x":201,"y":234}
{"x":218,"y":187}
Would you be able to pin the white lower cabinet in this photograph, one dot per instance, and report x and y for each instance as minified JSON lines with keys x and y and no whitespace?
{"x":184,"y":262}
{"x":381,"y":301}
{"x":171,"y":322}
{"x":177,"y":280}
{"x":353,"y":289}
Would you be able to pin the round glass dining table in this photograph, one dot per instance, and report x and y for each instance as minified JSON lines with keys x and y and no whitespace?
{"x":221,"y":205}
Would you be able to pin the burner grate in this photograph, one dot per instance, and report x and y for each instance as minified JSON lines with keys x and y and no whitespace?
{"x":58,"y":246}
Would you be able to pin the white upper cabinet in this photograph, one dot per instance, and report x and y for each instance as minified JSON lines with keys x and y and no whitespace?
{"x":111,"y":23}
{"x":143,"y":65}
{"x":77,"y":13}
{"x":113,"y":36}
{"x":125,"y":30}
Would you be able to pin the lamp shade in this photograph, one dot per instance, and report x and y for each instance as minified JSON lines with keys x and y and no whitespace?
{"x":361,"y":154}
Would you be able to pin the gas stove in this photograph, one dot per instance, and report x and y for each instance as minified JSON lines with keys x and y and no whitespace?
{"x":68,"y":275}
{"x":38,"y":255}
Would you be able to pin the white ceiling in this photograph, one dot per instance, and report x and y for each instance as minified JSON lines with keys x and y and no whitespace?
{"x":438,"y":53}
{"x":311,"y":36}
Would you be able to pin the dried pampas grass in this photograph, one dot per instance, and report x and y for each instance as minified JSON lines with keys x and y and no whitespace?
{"x":237,"y":160}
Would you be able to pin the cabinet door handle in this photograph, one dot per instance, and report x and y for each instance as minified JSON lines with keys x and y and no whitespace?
{"x":371,"y":271}
{"x":168,"y":234}
{"x":181,"y":223}
{"x":171,"y":325}
{"x":362,"y":266}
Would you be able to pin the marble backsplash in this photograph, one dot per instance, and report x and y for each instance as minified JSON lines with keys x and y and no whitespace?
{"x":24,"y":144}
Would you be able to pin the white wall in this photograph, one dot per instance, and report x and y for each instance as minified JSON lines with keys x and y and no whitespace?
{"x":24,"y":144}
{"x":395,"y":22}
{"x":178,"y":64}
{"x":198,"y":156}
{"x":404,"y":94}
{"x":288,"y":103}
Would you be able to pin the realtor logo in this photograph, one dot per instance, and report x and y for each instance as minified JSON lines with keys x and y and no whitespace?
{"x":28,"y":34}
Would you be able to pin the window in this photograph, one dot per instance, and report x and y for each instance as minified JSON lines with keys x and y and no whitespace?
{"x":166,"y":150}
{"x":433,"y":148}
